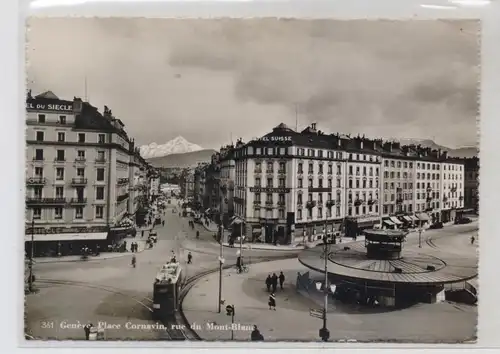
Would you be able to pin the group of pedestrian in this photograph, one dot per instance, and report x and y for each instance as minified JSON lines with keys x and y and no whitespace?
{"x":191,"y":224}
{"x":272,"y":282}
{"x":134,"y":247}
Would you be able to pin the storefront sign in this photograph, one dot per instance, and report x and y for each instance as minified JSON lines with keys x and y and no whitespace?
{"x":49,"y":107}
{"x":269,"y":190}
{"x":319,"y":190}
{"x":368,"y":219}
{"x":64,"y":230}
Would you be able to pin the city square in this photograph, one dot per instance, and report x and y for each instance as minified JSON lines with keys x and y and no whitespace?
{"x":330,"y":200}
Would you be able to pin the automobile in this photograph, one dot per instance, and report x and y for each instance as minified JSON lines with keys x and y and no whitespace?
{"x":463,"y":221}
{"x":436,"y":225}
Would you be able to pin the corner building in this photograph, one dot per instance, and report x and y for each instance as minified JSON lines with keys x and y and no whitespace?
{"x":78,"y":175}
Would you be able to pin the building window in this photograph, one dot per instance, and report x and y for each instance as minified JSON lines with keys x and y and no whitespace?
{"x":330,"y":183}
{"x":350,"y":183}
{"x":300,"y":168}
{"x":257,"y":197}
{"x":281,"y":182}
{"x":309,"y":213}
{"x":311,"y":168}
{"x":300,"y":183}
{"x":59,"y":192}
{"x":101,"y":138}
{"x":80,"y":172}
{"x":62,"y":120}
{"x":269,"y":182}
{"x":60,"y":155}
{"x":299,"y":214}
{"x":320,"y":183}
{"x":310,"y":183}
{"x":257,"y":182}
{"x":41,"y":118}
{"x":37,"y":213}
{"x":338,"y":182}
{"x":99,"y":212}
{"x":299,"y":199}
{"x":281,"y":214}
{"x":99,"y":193}
{"x":81,"y":137}
{"x":349,"y":211}
{"x":37,"y":192}
{"x":320,"y":213}
{"x":100,"y":156}
{"x":282,"y":167}
{"x":269,"y":167}
{"x":39,"y":172}
{"x":100,"y":174}
{"x":79,"y":213}
{"x":320,"y":171}
{"x":330,"y":169}
{"x":59,"y":174}
{"x":269,"y":198}
{"x":39,"y":136}
{"x":58,"y":213}
{"x":338,"y":212}
{"x":39,"y":154}
{"x":61,"y":136}
{"x":357,"y":183}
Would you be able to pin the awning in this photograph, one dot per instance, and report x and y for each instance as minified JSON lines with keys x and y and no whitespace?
{"x":395,"y":220}
{"x":67,"y":237}
{"x":407,"y":218}
{"x":388,"y":222}
{"x":414,"y":218}
{"x":423,"y":216}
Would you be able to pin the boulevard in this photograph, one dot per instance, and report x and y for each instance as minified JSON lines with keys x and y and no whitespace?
{"x":72,"y":294}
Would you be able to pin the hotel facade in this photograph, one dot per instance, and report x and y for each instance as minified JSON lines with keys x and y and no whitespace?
{"x":289,"y":186}
{"x":84,"y":176}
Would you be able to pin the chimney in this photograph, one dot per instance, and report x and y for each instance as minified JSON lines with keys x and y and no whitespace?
{"x":445,"y":155}
{"x":313,"y":126}
{"x":339,"y":142}
{"x":361,"y":144}
{"x":77,"y":105}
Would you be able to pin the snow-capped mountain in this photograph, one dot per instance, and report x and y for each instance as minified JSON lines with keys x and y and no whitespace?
{"x":179,"y":145}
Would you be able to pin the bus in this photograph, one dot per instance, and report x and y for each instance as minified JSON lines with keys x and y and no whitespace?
{"x":166,"y":291}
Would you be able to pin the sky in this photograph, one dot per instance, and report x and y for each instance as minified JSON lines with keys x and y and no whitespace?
{"x":211,"y":81}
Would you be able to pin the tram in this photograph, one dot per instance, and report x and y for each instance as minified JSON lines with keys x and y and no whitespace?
{"x":166,"y":291}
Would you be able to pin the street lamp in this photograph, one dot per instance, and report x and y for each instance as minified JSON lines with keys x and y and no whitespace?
{"x":221,"y":258}
{"x":327,"y":241}
{"x":420,"y":230}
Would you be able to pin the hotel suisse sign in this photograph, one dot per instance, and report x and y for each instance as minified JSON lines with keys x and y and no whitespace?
{"x":269,"y":190}
{"x":49,"y":107}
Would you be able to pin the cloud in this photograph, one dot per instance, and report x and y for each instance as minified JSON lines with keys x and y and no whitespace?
{"x":204,"y":79}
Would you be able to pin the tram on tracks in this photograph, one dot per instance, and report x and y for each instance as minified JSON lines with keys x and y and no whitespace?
{"x":166,"y":291}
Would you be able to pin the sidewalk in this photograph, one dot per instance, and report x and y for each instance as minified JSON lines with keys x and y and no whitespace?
{"x":103,"y":256}
{"x":292,"y":321}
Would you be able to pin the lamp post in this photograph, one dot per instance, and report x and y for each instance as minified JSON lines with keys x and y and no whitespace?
{"x":420,"y":230}
{"x":32,"y":251}
{"x":323,"y":332}
{"x":230,"y":311}
{"x":221,"y":258}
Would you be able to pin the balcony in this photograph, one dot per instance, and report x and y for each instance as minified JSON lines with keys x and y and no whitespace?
{"x":45,"y":201}
{"x":281,"y":172}
{"x":257,"y":170}
{"x":358,"y":202}
{"x":330,"y":203}
{"x":429,"y":189}
{"x":311,"y":204}
{"x":36,"y":181}
{"x":453,"y":190}
{"x":371,"y":201}
{"x":78,"y":181}
{"x":58,"y":160}
{"x":80,"y":160}
{"x":299,"y":203}
{"x":428,"y":199}
{"x":256,"y":202}
{"x":38,"y":159}
{"x":461,"y":198}
{"x":319,"y":203}
{"x":281,"y":203}
{"x":399,"y":201}
{"x":445,"y":199}
{"x":269,"y":203}
{"x":271,"y":171}
{"x":122,"y":197}
{"x":300,"y":172}
{"x":121,"y":181}
{"x":100,"y":160}
{"x":78,"y":201}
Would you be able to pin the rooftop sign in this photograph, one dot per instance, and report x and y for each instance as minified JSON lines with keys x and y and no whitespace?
{"x":49,"y":107}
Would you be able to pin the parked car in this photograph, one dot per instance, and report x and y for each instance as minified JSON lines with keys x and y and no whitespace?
{"x":436,"y":225}
{"x":463,"y":221}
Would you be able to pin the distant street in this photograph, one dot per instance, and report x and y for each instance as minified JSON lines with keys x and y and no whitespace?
{"x":111,"y":290}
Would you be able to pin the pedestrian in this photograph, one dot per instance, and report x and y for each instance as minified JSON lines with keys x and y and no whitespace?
{"x":256,"y":335}
{"x":274,"y":282}
{"x":272,"y":302}
{"x":190,"y":257}
{"x":269,"y":282}
{"x":142,"y":233}
{"x":282,"y":280}
{"x":163,"y":223}
{"x":87,"y":328}
{"x":472,"y":239}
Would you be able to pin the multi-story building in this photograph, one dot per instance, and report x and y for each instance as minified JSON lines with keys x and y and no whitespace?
{"x":471,"y":182}
{"x":77,"y":172}
{"x":227,"y":175}
{"x":452,"y":188}
{"x":154,"y":184}
{"x":291,"y":186}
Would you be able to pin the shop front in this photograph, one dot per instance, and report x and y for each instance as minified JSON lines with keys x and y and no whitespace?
{"x":423,"y":219}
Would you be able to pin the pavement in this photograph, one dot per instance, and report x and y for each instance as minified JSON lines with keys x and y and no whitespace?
{"x":422,"y":323}
{"x":70,"y":294}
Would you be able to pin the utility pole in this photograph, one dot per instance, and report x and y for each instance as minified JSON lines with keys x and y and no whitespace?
{"x":323,"y":332}
{"x":420,"y":237}
{"x":32,"y":254}
{"x":241,"y":239}
{"x":221,"y":259}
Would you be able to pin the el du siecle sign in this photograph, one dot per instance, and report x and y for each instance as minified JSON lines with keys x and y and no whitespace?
{"x":49,"y":107}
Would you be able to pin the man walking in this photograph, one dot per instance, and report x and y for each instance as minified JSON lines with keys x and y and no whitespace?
{"x":190,"y":257}
{"x":269,"y":282}
{"x":274,"y":282}
{"x":282,"y":280}
{"x":87,"y":328}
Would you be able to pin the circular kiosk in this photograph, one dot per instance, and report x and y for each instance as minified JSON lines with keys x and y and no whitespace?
{"x":378,"y":271}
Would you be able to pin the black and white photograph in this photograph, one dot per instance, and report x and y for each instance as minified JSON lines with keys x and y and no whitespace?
{"x":251,"y":180}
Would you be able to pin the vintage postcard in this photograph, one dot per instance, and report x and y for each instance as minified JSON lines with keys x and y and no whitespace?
{"x":251,"y":180}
